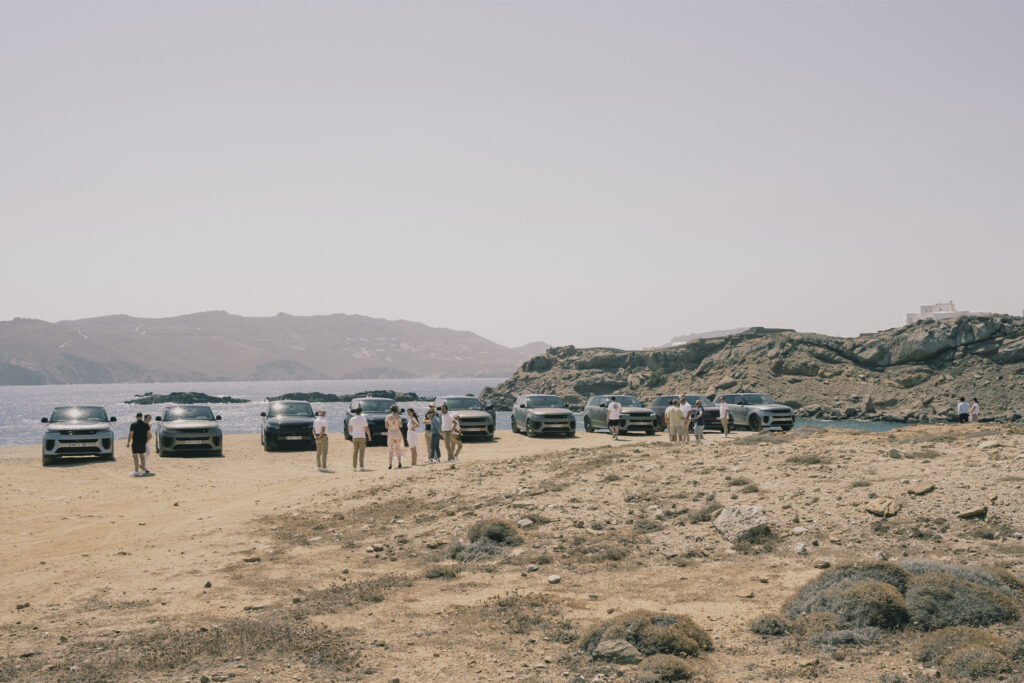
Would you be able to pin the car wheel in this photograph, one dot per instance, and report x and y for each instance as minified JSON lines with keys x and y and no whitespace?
{"x":107,"y":456}
{"x":530,"y":431}
{"x":515,"y":429}
{"x":754,"y":423}
{"x":787,"y":428}
{"x":50,"y":460}
{"x":651,"y":431}
{"x":587,"y":426}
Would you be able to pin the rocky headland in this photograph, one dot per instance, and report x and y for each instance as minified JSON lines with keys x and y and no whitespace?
{"x":182,"y":398}
{"x":908,"y":374}
{"x":319,"y":397}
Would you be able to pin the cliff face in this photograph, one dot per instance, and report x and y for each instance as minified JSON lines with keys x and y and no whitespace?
{"x":907,"y":374}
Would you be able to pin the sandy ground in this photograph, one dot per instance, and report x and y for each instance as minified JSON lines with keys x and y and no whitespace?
{"x":102,"y":574}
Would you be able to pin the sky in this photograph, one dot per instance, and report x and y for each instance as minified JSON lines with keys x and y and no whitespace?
{"x":576,"y":172}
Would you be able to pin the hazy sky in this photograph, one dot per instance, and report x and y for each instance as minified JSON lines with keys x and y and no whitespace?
{"x":586,"y":172}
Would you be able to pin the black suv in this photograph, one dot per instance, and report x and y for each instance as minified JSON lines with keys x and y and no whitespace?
{"x":288,"y":424}
{"x":375,"y":410}
{"x":711,"y":419}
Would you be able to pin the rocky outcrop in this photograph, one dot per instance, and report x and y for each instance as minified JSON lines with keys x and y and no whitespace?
{"x":908,"y":374}
{"x":317,"y":397}
{"x":182,"y":398}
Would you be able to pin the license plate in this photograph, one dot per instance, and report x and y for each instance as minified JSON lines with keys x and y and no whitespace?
{"x":77,"y":444}
{"x":192,"y":442}
{"x":294,"y":438}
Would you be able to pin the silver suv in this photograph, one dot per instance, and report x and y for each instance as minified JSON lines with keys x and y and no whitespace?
{"x":474,"y":419}
{"x":78,"y":430}
{"x":538,"y":414}
{"x":189,"y":428}
{"x":757,"y":412}
{"x":634,"y":417}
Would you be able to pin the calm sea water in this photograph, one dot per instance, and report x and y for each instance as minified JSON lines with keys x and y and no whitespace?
{"x":22,"y":407}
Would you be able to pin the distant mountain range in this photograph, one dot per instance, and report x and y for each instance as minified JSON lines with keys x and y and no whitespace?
{"x":215,"y":345}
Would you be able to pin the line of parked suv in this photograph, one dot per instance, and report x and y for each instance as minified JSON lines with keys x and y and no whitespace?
{"x":86,"y":430}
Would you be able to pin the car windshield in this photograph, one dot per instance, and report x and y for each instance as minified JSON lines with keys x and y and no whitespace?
{"x":664,"y":400}
{"x":87,"y":414}
{"x":290,"y":409}
{"x":188,"y":413}
{"x":756,"y":399}
{"x":467,"y":403}
{"x":375,"y":405}
{"x":693,"y":398}
{"x":544,"y":402}
{"x":626,"y":401}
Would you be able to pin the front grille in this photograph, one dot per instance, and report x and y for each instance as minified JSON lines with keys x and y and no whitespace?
{"x":77,"y":432}
{"x":192,"y":430}
{"x":79,"y":450}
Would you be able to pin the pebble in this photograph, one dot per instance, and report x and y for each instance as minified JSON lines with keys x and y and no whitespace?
{"x":532,"y":568}
{"x":973,"y":512}
{"x":800,"y":548}
{"x":921,"y":489}
{"x":822,"y":563}
{"x":525,"y":523}
{"x":799,"y":531}
{"x":554,"y":578}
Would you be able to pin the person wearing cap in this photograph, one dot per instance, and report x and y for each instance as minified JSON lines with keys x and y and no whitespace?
{"x":359,"y":428}
{"x":138,"y":437}
{"x":320,"y":435}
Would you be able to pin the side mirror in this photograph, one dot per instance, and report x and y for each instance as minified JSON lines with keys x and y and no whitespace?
{"x":522,"y":405}
{"x":45,"y":420}
{"x":158,"y":418}
{"x":217,"y":417}
{"x":113,"y":419}
{"x":263,"y":414}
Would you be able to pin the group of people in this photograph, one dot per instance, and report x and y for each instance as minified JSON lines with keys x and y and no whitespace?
{"x":438,"y":425}
{"x":680,"y":415}
{"x":968,"y":412}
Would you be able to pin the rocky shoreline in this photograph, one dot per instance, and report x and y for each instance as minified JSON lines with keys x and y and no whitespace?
{"x":318,"y":397}
{"x":182,"y":398}
{"x":911,"y":374}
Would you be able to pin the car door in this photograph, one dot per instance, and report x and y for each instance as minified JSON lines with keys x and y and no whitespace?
{"x":739,"y":410}
{"x":519,"y":413}
{"x":599,"y":418}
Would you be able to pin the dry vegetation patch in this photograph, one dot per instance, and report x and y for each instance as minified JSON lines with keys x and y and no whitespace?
{"x":652,"y":634}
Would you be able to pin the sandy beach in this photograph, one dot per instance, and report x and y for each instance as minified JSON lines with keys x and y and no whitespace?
{"x":257,"y":567}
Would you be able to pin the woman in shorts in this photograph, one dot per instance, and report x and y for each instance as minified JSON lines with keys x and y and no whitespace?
{"x":393,"y":423}
{"x":698,"y":421}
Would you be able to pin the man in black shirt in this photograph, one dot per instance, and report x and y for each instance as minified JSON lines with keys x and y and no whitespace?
{"x":138,"y":435}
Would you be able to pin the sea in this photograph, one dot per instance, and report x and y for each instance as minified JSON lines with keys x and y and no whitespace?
{"x":22,"y":407}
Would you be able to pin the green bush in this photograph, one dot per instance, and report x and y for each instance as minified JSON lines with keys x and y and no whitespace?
{"x":973,"y":662}
{"x":770,"y":625}
{"x":818,"y":595}
{"x":658,"y":668}
{"x":870,"y":603}
{"x":652,"y":633}
{"x":937,"y":600}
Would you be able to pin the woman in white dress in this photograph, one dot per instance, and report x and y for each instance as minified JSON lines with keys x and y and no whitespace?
{"x":150,"y":437}
{"x":393,"y":423}
{"x":411,"y":435}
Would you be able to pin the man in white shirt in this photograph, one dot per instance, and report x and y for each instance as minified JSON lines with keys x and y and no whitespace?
{"x":963,"y":410}
{"x":687,"y":411}
{"x":723,"y":415}
{"x":614,"y":414}
{"x":320,"y":435}
{"x":359,"y":428}
{"x":447,"y":433}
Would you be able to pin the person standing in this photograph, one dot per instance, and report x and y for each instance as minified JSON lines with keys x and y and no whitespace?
{"x":723,"y":415}
{"x":687,"y":417}
{"x":614,"y":415}
{"x":320,"y":436}
{"x":148,"y":419}
{"x":975,"y":410}
{"x":457,"y":437}
{"x":674,"y":419}
{"x":396,"y":443}
{"x":412,"y":435}
{"x":435,"y":434}
{"x":698,"y":422}
{"x":138,"y":437}
{"x":963,"y":410}
{"x":447,"y":429}
{"x":359,"y":428}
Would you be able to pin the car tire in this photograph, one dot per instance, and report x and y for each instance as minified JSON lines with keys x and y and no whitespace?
{"x":754,"y":423}
{"x":49,"y":460}
{"x":587,"y":425}
{"x":787,"y":428}
{"x":107,"y":456}
{"x":530,"y":431}
{"x":651,"y":431}
{"x":515,"y":429}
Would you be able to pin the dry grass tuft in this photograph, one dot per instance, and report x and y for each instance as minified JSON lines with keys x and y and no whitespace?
{"x":820,"y":593}
{"x":973,"y":663}
{"x":938,"y":645}
{"x":807,"y":459}
{"x":336,"y":596}
{"x":652,"y":633}
{"x":770,"y":625}
{"x":498,"y":531}
{"x":870,"y":603}
{"x":659,"y":668}
{"x":936,"y":600}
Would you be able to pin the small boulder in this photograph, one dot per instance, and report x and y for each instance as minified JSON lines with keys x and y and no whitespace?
{"x":822,"y":563}
{"x":554,"y":578}
{"x":978,"y":512}
{"x":740,"y":522}
{"x":525,"y":523}
{"x":883,"y":507}
{"x":617,"y":652}
{"x":921,"y":489}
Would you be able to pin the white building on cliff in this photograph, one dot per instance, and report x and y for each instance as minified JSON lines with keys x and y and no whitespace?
{"x":942,"y":311}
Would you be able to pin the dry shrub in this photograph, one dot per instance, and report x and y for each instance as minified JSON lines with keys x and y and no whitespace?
{"x":652,"y":633}
{"x":644,"y":526}
{"x":997,"y":578}
{"x":807,"y":459}
{"x":659,"y":668}
{"x":936,"y":600}
{"x":973,"y":662}
{"x":336,"y":596}
{"x":738,"y":481}
{"x":937,"y":645}
{"x":524,"y":613}
{"x":497,"y":531}
{"x":815,"y":623}
{"x":442,"y":571}
{"x":750,"y":488}
{"x":870,"y":603}
{"x":818,"y":594}
{"x":847,"y":637}
{"x":770,"y":625}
